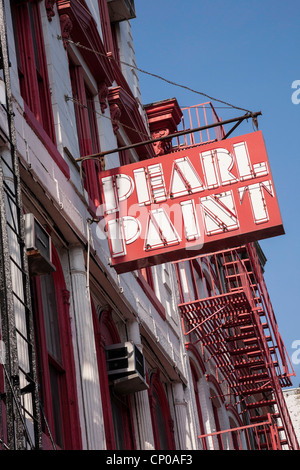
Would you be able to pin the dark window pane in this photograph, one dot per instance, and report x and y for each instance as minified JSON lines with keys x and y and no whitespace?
{"x":55,"y":395}
{"x":50,"y":316}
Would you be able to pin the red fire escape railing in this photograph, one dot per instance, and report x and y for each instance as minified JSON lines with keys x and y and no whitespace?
{"x":260,"y":436}
{"x":197,"y":116}
{"x":225,"y":308}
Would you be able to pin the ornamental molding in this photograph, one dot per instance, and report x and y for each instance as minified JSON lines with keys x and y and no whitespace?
{"x":49,"y":5}
{"x":66,"y":26}
{"x":103,"y":95}
{"x":115,"y":113}
{"x":162,"y":146}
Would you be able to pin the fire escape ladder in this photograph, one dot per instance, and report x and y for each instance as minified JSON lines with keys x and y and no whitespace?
{"x":263,"y":385}
{"x":229,"y":314}
{"x":279,"y":368}
{"x":20,"y":426}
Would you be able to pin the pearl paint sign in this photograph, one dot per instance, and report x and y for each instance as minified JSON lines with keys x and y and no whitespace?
{"x":193,"y":201}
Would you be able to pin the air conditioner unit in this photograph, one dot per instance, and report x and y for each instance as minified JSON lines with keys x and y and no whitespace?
{"x":121,"y":10}
{"x":38,"y":245}
{"x":126,"y":367}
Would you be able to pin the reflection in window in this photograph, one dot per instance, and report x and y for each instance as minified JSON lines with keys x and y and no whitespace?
{"x":162,"y":435}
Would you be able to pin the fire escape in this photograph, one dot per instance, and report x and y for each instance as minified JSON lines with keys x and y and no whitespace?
{"x":226,"y":310}
{"x":19,"y":398}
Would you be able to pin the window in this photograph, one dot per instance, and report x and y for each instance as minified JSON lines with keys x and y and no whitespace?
{"x":55,"y":358}
{"x":162,"y":422}
{"x":31,"y":60}
{"x":145,"y":279}
{"x":216,"y":409}
{"x":117,"y":416}
{"x":87,"y":131}
{"x":148,"y":276}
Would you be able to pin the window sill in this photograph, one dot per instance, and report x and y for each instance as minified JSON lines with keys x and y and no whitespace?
{"x":47,"y":142}
{"x":151,"y":295}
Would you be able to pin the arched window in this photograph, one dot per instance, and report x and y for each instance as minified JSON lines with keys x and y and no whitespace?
{"x":116,"y":408}
{"x":56,"y":367}
{"x":160,"y":415}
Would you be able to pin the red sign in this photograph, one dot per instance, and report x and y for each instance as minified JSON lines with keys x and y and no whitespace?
{"x":193,"y":201}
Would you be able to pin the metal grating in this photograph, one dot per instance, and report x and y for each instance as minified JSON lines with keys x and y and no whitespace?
{"x":20,"y":418}
{"x":226,"y":310}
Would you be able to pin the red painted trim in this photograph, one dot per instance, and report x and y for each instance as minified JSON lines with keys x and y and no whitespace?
{"x":106,"y":26}
{"x":151,"y":295}
{"x":218,"y":427}
{"x":165,"y":114}
{"x":192,"y":348}
{"x":163,"y":118}
{"x":210,"y":378}
{"x":230,"y":408}
{"x":46,"y":141}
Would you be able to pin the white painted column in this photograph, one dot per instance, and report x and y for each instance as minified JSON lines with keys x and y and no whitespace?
{"x":183,"y":424}
{"x":207,"y":411}
{"x":91,"y":414}
{"x":143,"y":423}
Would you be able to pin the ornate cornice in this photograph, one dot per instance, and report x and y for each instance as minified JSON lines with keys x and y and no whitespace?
{"x":131,"y":119}
{"x":103,"y":95}
{"x":163,"y":118}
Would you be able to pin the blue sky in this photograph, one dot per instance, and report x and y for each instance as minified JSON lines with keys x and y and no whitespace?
{"x":245,"y":53}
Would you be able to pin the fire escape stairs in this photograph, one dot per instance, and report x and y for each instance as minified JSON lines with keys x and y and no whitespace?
{"x":234,"y":328}
{"x":254,"y":378}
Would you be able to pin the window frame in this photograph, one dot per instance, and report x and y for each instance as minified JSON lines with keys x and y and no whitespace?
{"x":106,"y":333}
{"x":156,"y":389}
{"x":87,"y":130}
{"x":65,"y":370}
{"x":146,"y":281}
{"x":34,"y":81}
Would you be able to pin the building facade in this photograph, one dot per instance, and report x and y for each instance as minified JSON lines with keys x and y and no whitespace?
{"x":292,"y":398}
{"x":97,"y":360}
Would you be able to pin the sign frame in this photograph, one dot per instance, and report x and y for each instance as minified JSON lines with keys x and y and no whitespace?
{"x":192,"y":201}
